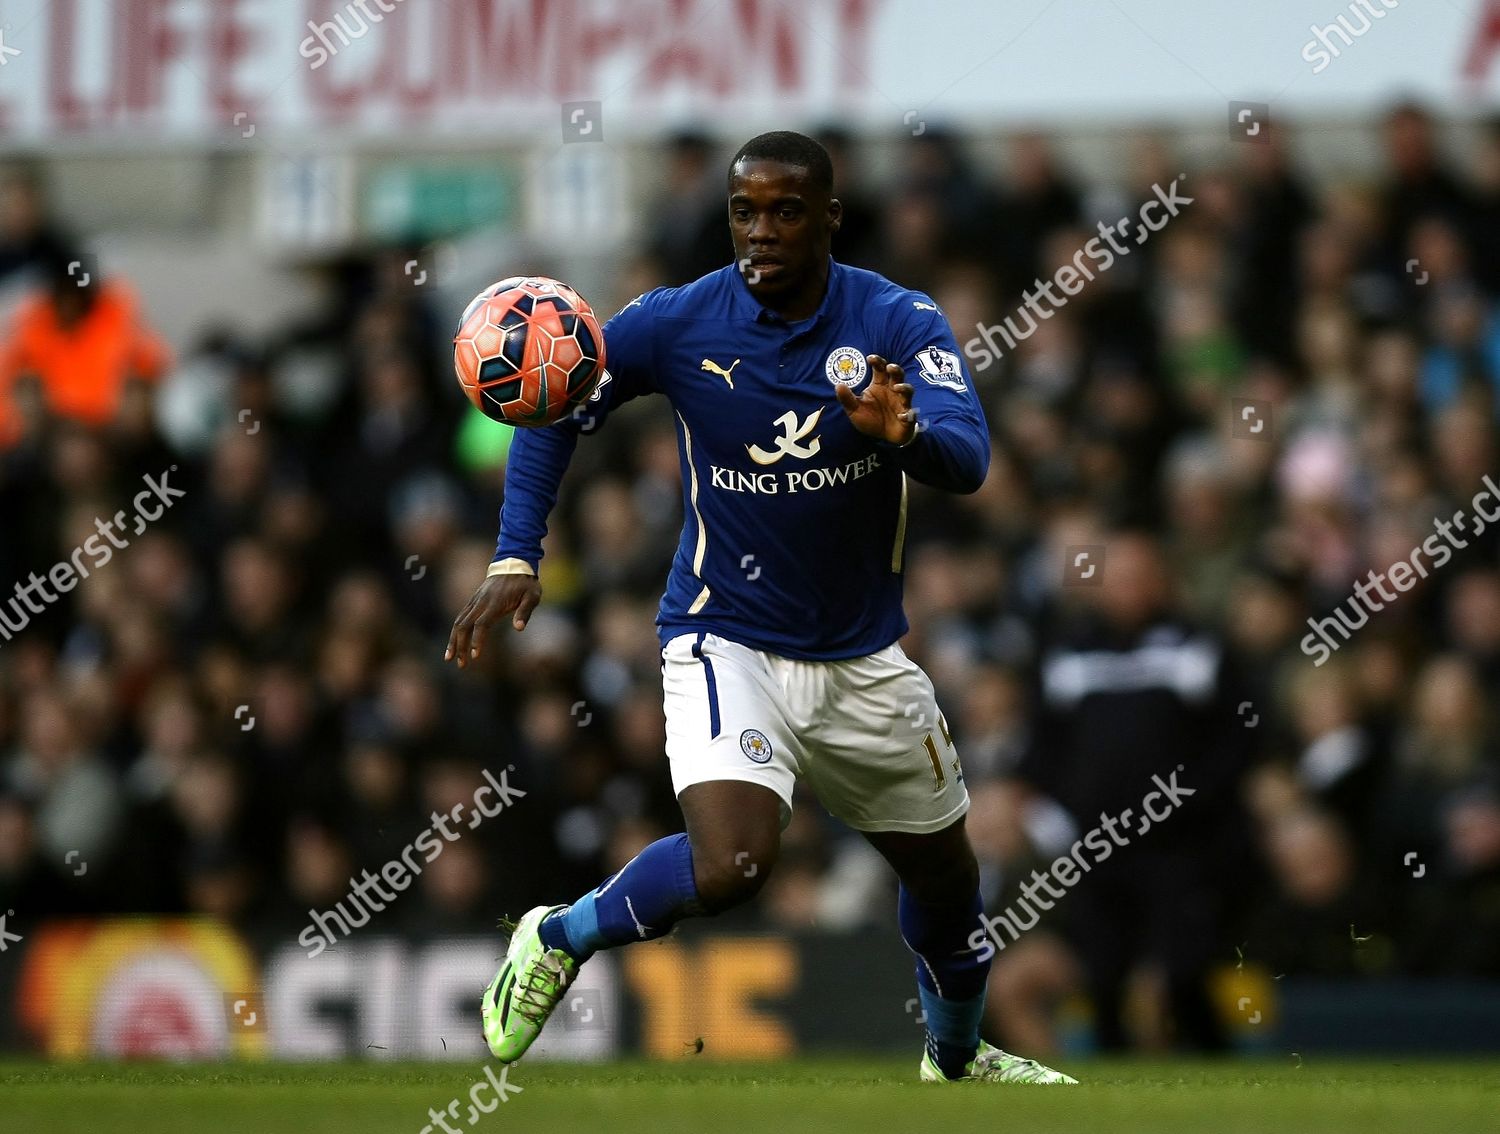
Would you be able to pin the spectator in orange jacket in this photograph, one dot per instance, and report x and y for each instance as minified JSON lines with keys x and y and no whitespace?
{"x":81,"y":340}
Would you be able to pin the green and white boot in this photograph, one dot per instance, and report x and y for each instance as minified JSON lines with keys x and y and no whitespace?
{"x":991,"y":1065}
{"x":529,"y":985}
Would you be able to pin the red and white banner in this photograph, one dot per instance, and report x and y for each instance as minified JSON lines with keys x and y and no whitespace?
{"x":128,"y":71}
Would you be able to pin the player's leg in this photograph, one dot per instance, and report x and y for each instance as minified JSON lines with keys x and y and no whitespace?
{"x":706,"y":870}
{"x":734,"y":785}
{"x":938,"y":909}
{"x":880,"y":757}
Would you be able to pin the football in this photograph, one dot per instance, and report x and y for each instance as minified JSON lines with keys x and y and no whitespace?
{"x":528,"y":351}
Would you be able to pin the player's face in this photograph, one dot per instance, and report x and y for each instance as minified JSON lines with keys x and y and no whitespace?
{"x":782,"y":230}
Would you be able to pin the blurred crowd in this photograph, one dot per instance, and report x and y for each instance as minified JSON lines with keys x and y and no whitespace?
{"x":248,"y":704}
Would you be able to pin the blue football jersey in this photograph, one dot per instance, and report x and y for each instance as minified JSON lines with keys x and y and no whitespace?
{"x":794,"y":520}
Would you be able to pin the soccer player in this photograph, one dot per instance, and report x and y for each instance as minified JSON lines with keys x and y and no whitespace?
{"x":797,"y":429}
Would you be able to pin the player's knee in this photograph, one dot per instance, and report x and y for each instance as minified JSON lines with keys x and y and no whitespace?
{"x":944,"y":882}
{"x":728,"y":877}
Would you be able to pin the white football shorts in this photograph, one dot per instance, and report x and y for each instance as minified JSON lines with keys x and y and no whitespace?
{"x":865,"y":733}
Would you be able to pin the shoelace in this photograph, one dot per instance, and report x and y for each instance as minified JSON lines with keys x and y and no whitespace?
{"x":539,"y":986}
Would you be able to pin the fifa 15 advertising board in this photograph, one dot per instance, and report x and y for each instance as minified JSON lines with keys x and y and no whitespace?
{"x":192,"y":989}
{"x":189,"y":989}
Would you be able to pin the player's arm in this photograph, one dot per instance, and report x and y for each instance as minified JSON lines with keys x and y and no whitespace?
{"x":924,"y":406}
{"x":538,"y":459}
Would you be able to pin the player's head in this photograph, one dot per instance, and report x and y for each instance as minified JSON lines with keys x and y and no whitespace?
{"x":782,"y":215}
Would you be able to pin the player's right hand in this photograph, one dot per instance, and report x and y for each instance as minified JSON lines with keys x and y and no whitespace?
{"x":497,"y":596}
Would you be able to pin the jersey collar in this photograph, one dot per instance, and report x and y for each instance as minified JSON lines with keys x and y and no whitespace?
{"x":746,"y":306}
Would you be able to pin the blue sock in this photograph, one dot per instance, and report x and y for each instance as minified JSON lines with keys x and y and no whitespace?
{"x":951,"y":977}
{"x":652,"y":893}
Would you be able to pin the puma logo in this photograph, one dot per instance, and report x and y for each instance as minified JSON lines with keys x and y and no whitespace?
{"x":920,"y":306}
{"x":714,"y":368}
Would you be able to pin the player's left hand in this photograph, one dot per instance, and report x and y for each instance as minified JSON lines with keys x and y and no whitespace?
{"x":884,"y":410}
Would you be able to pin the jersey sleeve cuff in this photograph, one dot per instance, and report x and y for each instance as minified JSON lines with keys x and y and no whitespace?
{"x":897,"y":446}
{"x":510,"y":566}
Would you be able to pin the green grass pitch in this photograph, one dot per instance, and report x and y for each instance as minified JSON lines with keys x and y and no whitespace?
{"x":810,"y":1096}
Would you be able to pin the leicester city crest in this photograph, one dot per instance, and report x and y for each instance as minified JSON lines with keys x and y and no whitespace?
{"x":846,"y":366}
{"x":754,"y":744}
